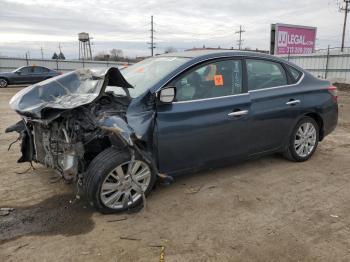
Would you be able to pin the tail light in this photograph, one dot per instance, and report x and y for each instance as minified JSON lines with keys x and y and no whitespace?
{"x":334,"y":92}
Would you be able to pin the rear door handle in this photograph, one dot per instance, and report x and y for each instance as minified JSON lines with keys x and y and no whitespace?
{"x":238,"y":113}
{"x":293,"y":102}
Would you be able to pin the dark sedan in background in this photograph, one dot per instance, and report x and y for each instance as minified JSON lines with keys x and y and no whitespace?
{"x":26,"y":75}
{"x":116,"y":132}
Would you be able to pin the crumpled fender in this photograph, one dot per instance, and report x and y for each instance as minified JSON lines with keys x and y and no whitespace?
{"x":118,"y":126}
{"x":141,"y":115}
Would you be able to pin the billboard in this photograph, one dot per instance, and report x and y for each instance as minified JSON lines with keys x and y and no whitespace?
{"x":292,"y":39}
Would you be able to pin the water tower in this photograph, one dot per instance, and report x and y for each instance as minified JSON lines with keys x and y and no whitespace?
{"x":84,"y":46}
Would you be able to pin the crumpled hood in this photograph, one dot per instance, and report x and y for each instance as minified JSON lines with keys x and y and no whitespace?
{"x":67,"y":91}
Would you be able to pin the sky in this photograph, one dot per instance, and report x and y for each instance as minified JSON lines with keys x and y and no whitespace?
{"x":29,"y":25}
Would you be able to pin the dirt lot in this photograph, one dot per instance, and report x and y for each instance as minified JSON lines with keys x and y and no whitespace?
{"x":262,"y":210}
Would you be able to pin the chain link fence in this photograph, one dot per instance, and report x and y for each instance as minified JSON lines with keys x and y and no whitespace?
{"x":329,"y":63}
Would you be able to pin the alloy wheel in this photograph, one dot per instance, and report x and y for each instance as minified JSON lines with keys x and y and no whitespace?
{"x":305,"y":139}
{"x":3,"y":83}
{"x":124,"y":185}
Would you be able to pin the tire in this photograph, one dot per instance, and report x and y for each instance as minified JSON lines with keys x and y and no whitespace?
{"x":3,"y":82}
{"x":305,"y":148}
{"x":104,"y":172}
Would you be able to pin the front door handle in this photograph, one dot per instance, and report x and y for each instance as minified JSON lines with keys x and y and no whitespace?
{"x":293,"y":102}
{"x":238,"y":113}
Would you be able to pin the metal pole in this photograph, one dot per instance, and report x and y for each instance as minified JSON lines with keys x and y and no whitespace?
{"x":240,"y":38}
{"x":288,"y":54}
{"x":346,"y":10}
{"x":327,"y":59}
{"x":90,"y":50}
{"x":152,"y":47}
{"x":27,"y":58}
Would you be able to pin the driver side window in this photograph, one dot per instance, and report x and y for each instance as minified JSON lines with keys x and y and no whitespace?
{"x":216,"y":79}
{"x":25,"y":70}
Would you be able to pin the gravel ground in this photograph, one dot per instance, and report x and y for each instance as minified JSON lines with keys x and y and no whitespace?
{"x":268,"y":209}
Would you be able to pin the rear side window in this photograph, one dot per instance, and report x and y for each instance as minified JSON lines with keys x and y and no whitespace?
{"x":221,"y":78}
{"x":39,"y":69}
{"x":264,"y":74}
{"x":296,"y":74}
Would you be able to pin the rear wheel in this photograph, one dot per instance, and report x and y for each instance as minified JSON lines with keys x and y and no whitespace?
{"x":114,"y":183}
{"x":3,"y":82}
{"x":304,"y":140}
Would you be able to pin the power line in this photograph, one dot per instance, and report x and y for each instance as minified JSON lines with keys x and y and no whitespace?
{"x":346,"y":10}
{"x":240,"y":37}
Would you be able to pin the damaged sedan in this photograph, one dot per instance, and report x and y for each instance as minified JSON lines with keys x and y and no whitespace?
{"x":115,"y":132}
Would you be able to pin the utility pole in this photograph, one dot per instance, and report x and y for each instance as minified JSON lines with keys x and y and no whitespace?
{"x":152,"y":45}
{"x":42,"y":53}
{"x":240,"y":37}
{"x":59,"y":47}
{"x":346,"y":10}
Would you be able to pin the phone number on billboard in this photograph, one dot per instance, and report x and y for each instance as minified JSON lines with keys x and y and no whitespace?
{"x":299,"y":50}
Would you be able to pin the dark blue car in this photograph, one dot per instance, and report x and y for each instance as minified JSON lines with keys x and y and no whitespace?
{"x":116,"y":132}
{"x":26,"y":75}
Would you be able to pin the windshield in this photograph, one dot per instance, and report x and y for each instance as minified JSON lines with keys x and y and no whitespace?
{"x":145,"y":74}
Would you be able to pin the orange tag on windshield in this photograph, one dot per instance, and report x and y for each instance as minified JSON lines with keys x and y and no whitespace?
{"x":218,"y":80}
{"x":140,"y":70}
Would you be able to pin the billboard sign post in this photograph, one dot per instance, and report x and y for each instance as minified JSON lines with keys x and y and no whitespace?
{"x":292,"y":39}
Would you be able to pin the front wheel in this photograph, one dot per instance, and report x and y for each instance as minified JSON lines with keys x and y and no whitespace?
{"x":3,"y":82}
{"x":114,"y":183}
{"x":304,"y":140}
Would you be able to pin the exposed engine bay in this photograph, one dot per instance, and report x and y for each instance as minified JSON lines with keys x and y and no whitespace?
{"x":69,"y":142}
{"x":68,"y":120}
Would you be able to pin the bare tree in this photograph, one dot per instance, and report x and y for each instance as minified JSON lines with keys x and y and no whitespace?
{"x":170,"y":49}
{"x":102,"y":56}
{"x":115,"y":54}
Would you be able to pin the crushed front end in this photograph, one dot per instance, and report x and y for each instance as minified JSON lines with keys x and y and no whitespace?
{"x":68,"y":120}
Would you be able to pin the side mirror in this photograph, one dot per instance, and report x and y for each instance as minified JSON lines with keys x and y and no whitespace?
{"x":18,"y":72}
{"x":167,"y":94}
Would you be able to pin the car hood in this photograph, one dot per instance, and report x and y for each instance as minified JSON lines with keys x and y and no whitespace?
{"x":46,"y":99}
{"x":6,"y":74}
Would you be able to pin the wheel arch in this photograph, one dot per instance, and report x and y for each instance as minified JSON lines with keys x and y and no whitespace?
{"x":319,"y":121}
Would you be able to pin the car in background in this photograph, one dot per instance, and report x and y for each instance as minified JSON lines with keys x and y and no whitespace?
{"x":26,"y":75}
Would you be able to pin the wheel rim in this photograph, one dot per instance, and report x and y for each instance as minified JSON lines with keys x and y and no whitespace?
{"x":3,"y":83}
{"x":125,"y":184}
{"x":305,"y":139}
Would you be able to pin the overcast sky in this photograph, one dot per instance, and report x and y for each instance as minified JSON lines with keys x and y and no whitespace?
{"x":32,"y":24}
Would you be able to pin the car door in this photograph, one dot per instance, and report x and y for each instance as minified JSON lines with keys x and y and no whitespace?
{"x":275,"y":103}
{"x":39,"y":74}
{"x":209,"y":120}
{"x":23,"y":75}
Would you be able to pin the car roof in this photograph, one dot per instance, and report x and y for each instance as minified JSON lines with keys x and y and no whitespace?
{"x":205,"y":54}
{"x":214,"y":53}
{"x":210,"y":54}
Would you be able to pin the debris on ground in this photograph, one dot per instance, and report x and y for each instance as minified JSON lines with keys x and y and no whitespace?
{"x":20,"y":246}
{"x":334,"y":216}
{"x":118,"y":219}
{"x":193,"y":190}
{"x":4,"y":211}
{"x":162,"y":255}
{"x":130,"y":238}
